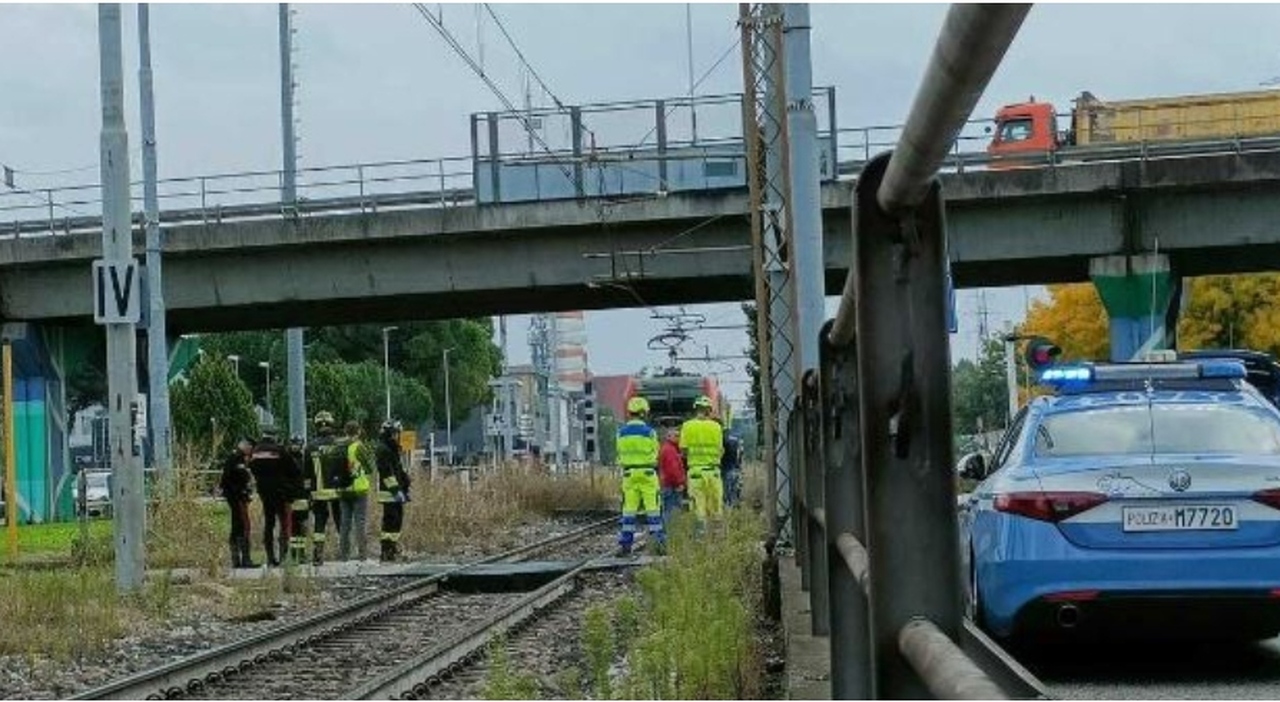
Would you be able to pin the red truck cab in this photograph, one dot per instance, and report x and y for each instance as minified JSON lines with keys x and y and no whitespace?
{"x":1023,"y":131}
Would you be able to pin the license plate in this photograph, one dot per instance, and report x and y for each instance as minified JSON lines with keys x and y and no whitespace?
{"x":1183,"y":518}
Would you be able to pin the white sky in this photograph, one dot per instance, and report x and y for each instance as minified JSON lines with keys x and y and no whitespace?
{"x":377,"y":83}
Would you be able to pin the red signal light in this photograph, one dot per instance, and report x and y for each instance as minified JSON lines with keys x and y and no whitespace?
{"x":1041,"y":352}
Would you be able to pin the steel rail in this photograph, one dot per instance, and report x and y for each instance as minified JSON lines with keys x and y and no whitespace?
{"x":412,"y":679}
{"x":187,"y":675}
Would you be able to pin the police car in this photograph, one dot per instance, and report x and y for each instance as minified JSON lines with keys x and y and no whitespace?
{"x":1138,"y":499}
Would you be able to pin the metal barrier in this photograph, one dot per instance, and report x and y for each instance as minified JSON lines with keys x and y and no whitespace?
{"x":874,"y":498}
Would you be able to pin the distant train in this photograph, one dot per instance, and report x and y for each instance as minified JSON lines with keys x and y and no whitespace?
{"x":671,"y":396}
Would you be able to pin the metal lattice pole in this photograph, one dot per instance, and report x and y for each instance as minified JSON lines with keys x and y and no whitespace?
{"x":769,"y":185}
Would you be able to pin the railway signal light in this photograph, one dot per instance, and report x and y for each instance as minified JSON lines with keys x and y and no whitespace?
{"x":1040,"y":353}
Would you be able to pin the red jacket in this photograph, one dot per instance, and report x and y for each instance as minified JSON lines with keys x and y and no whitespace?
{"x":671,"y":471}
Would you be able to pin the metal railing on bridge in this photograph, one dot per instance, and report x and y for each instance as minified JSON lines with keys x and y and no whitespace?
{"x":607,"y":171}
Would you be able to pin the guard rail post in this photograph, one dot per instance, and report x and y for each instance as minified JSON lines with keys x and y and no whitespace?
{"x":660,"y":128}
{"x":575,"y":124}
{"x":850,"y":638}
{"x":52,"y":228}
{"x":495,"y":173}
{"x":799,"y":505}
{"x":812,"y":533}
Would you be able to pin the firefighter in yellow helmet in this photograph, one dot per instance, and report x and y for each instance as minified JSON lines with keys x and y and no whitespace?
{"x":638,"y":456}
{"x":702,"y":441}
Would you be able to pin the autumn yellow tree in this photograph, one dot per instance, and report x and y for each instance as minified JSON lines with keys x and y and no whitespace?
{"x":1232,"y":311}
{"x":1074,"y":319}
{"x":1222,"y":311}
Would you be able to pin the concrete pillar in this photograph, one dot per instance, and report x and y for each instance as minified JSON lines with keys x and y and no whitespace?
{"x":1142,"y":297}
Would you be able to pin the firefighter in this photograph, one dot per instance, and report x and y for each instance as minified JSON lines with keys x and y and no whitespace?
{"x":326,"y":459}
{"x":637,"y":448}
{"x":276,"y":474}
{"x":393,"y":489}
{"x":299,"y":490}
{"x":702,"y":441}
{"x":237,"y":489}
{"x":353,"y":498}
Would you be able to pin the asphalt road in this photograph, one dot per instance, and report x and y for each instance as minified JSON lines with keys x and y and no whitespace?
{"x":1160,"y":670}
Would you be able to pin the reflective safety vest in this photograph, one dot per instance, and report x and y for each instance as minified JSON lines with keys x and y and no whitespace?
{"x":637,"y":445}
{"x":703,"y":439}
{"x":327,"y":456}
{"x":356,"y":463}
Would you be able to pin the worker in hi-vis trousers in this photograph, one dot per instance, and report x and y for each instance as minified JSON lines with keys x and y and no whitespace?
{"x":638,"y":455}
{"x":702,"y":441}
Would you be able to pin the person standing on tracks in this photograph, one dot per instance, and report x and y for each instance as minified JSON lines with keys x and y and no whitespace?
{"x":731,"y":469}
{"x":353,"y":498}
{"x":393,"y":489}
{"x":236,"y":485}
{"x":671,"y":475}
{"x":637,"y":448}
{"x":702,"y":441}
{"x":299,"y":491}
{"x":276,"y":473}
{"x":326,"y":460}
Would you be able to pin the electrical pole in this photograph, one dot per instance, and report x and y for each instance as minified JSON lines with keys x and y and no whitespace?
{"x":806,"y":184}
{"x":122,"y":351}
{"x":508,"y":397}
{"x":296,"y":368}
{"x":157,"y":337}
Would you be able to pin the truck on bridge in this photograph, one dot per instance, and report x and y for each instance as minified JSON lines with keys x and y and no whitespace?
{"x":1027,"y":132}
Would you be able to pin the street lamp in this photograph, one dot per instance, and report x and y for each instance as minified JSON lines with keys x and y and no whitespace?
{"x":448,"y":408}
{"x":386,"y":365}
{"x":235,"y":361}
{"x":266,"y":366}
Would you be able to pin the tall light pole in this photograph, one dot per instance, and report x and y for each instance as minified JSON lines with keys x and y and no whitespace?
{"x":235,"y":361}
{"x":296,"y":363}
{"x":448,"y":408}
{"x":157,"y":339}
{"x":266,"y":366}
{"x":386,"y":365}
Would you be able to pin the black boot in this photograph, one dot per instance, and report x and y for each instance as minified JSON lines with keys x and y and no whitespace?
{"x":317,"y":554}
{"x":269,"y":546}
{"x":394,"y":551}
{"x":246,"y":560}
{"x":235,"y":552}
{"x":385,"y":557}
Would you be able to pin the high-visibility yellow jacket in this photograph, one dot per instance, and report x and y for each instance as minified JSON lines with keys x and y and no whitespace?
{"x":637,"y":445}
{"x":703,"y":441}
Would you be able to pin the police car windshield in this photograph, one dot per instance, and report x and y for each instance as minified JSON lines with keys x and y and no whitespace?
{"x":1169,"y":428}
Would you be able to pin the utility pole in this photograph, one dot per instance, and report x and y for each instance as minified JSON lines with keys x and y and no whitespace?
{"x":806,"y":184}
{"x":296,"y":368}
{"x":508,"y":397}
{"x":157,"y":337}
{"x":122,"y":351}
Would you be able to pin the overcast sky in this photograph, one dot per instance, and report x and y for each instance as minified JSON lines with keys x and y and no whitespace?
{"x":377,"y":83}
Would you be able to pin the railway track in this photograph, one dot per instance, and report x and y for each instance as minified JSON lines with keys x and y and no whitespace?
{"x":384,"y":645}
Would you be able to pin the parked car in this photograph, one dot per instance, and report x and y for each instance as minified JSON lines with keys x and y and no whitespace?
{"x":97,"y":495}
{"x":1137,"y":500}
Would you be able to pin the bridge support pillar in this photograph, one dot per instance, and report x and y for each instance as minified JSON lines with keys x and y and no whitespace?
{"x":44,"y":477}
{"x":1142,"y":297}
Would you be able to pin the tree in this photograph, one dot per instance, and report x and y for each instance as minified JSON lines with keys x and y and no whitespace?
{"x":979,"y":391}
{"x":1222,"y":311}
{"x":1074,"y":319}
{"x":1232,"y":311}
{"x":212,"y":407}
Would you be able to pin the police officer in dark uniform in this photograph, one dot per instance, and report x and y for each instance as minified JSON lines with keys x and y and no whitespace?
{"x":237,"y":489}
{"x":393,"y":489}
{"x":277,"y":474}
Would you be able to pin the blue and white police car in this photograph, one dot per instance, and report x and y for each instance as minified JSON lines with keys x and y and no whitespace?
{"x":1138,"y":499}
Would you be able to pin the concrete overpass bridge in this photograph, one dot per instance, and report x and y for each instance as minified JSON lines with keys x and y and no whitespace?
{"x":437,"y":254}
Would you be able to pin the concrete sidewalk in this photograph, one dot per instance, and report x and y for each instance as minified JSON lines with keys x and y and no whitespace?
{"x":808,"y":656}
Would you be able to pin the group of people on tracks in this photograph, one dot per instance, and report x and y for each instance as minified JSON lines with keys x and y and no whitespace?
{"x":327,"y":479}
{"x":697,"y":463}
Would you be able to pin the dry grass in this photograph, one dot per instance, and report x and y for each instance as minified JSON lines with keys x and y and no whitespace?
{"x":447,"y":516}
{"x":185,"y":529}
{"x":62,"y":614}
